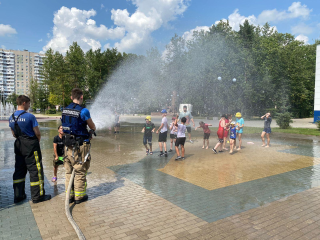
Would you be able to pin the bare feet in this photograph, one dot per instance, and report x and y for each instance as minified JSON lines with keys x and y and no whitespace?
{"x":230,"y":152}
{"x":238,"y":149}
{"x":267,"y":146}
{"x":263,"y":145}
{"x":207,"y":147}
{"x":203,"y":147}
{"x":226,"y":149}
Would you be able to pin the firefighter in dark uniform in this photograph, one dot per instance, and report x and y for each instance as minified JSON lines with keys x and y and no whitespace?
{"x":24,"y":127}
{"x":75,"y":120}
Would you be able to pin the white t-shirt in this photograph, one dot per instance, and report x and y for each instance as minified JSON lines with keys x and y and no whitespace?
{"x":181,"y":131}
{"x":165,"y":125}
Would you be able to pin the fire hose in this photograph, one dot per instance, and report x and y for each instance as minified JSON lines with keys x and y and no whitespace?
{"x":67,"y":209}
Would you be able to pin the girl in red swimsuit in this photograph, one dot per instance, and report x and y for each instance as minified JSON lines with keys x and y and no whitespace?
{"x":220,"y":133}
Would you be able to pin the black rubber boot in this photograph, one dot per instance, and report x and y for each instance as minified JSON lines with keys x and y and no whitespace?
{"x":17,"y":200}
{"x":85,"y":198}
{"x":44,"y":198}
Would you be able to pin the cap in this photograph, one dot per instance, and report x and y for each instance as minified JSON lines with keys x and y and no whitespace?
{"x":164,"y":111}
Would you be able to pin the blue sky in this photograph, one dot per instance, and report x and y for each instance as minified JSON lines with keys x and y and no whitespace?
{"x":136,"y":25}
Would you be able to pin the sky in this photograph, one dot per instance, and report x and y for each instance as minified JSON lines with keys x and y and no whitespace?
{"x":134,"y":26}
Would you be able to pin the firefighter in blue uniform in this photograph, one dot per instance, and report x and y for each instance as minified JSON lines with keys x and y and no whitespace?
{"x":75,"y":120}
{"x":24,"y":127}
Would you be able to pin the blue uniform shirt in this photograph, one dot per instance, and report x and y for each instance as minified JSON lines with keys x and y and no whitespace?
{"x":85,"y":114}
{"x":26,"y":122}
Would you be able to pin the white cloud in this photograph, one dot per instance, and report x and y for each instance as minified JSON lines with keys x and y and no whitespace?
{"x":189,"y":34}
{"x":48,"y":35}
{"x":3,"y":46}
{"x":301,"y":28}
{"x":133,"y":30}
{"x":235,"y":19}
{"x":40,"y":40}
{"x":296,"y":10}
{"x":76,"y":25}
{"x":6,"y":30}
{"x":302,"y":38}
{"x":148,"y":17}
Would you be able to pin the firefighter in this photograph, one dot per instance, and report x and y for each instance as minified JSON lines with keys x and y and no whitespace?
{"x":75,"y":120}
{"x":24,"y":127}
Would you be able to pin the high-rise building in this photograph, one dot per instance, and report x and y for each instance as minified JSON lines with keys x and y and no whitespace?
{"x":6,"y":73}
{"x":22,"y":66}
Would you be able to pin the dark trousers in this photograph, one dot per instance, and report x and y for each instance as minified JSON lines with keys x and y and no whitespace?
{"x":28,"y":158}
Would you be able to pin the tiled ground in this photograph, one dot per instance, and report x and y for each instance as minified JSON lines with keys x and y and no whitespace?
{"x":254,"y":194}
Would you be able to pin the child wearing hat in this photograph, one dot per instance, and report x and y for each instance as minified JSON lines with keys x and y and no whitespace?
{"x":148,"y":129}
{"x":206,"y":133}
{"x":240,"y":125}
{"x":173,"y":133}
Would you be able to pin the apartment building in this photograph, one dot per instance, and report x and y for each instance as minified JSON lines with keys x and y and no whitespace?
{"x":7,"y":82}
{"x":25,"y":65}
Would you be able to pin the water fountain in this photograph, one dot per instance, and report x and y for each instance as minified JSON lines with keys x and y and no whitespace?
{"x":6,"y":109}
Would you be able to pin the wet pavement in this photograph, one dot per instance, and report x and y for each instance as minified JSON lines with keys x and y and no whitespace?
{"x":255,"y":193}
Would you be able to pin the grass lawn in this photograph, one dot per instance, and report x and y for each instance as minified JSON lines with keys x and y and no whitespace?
{"x":255,"y":130}
{"x":49,"y":115}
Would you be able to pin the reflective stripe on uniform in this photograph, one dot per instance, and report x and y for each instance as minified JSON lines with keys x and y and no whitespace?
{"x":19,"y":180}
{"x":79,"y":194}
{"x":39,"y":172}
{"x":36,"y":183}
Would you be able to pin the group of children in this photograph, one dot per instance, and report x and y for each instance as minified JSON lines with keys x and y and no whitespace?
{"x":177,"y":135}
{"x":227,"y":127}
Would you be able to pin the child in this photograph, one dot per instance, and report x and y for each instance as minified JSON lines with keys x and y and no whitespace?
{"x":181,"y":137}
{"x":58,"y":148}
{"x":173,"y":133}
{"x":233,"y":135}
{"x":267,"y":129}
{"x":163,"y":129}
{"x":206,"y":133}
{"x":240,"y":125}
{"x":148,"y":129}
{"x":220,"y":133}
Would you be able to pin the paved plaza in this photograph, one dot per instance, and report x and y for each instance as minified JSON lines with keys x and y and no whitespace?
{"x":255,"y":193}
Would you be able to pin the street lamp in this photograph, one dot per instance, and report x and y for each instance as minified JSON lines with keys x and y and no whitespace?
{"x":219,"y":78}
{"x":234,"y":80}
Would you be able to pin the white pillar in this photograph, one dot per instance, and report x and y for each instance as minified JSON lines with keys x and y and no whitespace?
{"x":317,"y":87}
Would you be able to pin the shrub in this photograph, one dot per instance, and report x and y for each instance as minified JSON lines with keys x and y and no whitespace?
{"x":51,"y":111}
{"x":284,"y":120}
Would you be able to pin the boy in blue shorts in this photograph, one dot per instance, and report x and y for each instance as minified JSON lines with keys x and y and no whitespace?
{"x":240,"y":125}
{"x":148,"y":129}
{"x":233,"y":135}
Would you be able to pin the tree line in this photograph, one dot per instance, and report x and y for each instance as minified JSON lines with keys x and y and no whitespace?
{"x":253,"y":70}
